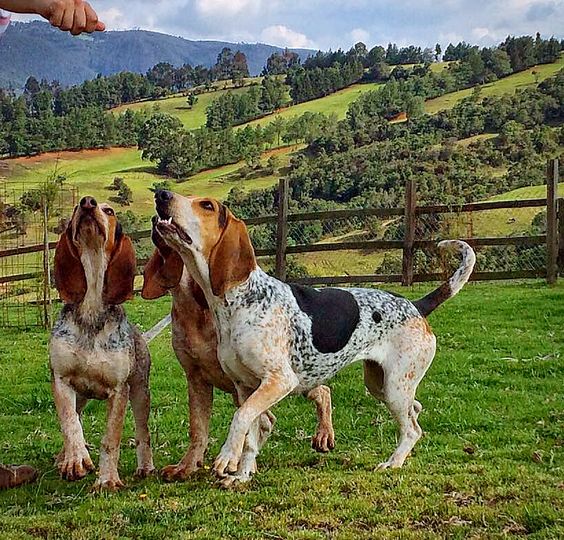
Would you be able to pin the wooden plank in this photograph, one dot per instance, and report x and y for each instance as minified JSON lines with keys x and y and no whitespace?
{"x":409,"y":238}
{"x":551,"y":222}
{"x":336,"y":280}
{"x":282,"y":228}
{"x":367,"y":245}
{"x":495,"y":241}
{"x":475,"y":207}
{"x":20,"y":277}
{"x":26,"y":249}
{"x":344,"y":214}
{"x":419,"y":278}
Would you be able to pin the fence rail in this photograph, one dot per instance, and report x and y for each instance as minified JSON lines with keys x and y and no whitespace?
{"x":417,"y":233}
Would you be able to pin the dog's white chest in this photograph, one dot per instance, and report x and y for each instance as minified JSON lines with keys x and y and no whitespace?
{"x":93,"y":364}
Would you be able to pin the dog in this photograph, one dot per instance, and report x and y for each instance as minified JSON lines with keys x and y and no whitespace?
{"x":275,"y":339}
{"x":195,"y":344}
{"x":95,"y":353}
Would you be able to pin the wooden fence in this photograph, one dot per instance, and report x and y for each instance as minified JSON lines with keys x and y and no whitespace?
{"x":553,"y":240}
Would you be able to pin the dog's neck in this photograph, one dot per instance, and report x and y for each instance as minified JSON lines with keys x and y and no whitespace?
{"x":94,"y":262}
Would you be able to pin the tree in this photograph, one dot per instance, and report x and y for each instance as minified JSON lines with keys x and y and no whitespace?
{"x":192,"y":99}
{"x":125,"y":195}
{"x":223,"y":69}
{"x":438,"y":52}
{"x":415,"y":107}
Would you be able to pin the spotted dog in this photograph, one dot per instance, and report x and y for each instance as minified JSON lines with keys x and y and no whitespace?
{"x":95,"y":353}
{"x":275,"y":339}
{"x":195,"y":344}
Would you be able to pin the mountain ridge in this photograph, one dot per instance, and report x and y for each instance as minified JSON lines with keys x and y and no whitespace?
{"x":37,"y":49}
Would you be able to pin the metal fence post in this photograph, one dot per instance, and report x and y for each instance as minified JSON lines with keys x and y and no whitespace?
{"x":552,"y":222}
{"x":282,"y":228}
{"x":409,"y":239}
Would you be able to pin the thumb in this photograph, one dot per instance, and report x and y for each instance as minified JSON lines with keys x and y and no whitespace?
{"x":100,"y":27}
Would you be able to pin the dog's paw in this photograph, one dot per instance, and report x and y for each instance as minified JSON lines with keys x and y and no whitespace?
{"x":145,"y":472}
{"x":178,"y":472}
{"x":226,"y":463}
{"x":323,"y":441}
{"x":232,"y":481}
{"x":75,"y":465}
{"x":110,"y":483}
{"x":390,"y":464}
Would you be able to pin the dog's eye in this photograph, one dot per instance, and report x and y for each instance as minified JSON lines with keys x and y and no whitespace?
{"x":109,"y":211}
{"x":207,"y":205}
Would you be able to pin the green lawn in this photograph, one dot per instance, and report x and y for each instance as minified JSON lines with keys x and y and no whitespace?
{"x":518,"y":81}
{"x":491,"y":464}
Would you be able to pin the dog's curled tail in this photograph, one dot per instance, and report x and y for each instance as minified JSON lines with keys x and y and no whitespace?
{"x":447,"y":290}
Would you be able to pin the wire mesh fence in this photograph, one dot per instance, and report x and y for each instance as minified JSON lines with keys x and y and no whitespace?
{"x":512,"y":239}
{"x":30,"y":223}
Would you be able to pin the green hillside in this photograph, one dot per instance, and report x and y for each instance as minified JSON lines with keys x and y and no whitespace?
{"x":194,"y":117}
{"x":517,"y":81}
{"x":93,"y":171}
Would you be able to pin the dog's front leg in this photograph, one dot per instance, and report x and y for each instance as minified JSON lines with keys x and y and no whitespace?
{"x":109,"y":453}
{"x":74,"y":461}
{"x":272,"y":389}
{"x":324,"y":438}
{"x":200,"y":401}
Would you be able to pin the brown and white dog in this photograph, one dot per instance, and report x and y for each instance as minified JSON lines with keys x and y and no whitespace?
{"x":195,"y":344}
{"x":275,"y":339}
{"x":95,"y":353}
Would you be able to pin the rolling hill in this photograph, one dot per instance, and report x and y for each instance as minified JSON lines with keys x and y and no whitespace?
{"x":37,"y":49}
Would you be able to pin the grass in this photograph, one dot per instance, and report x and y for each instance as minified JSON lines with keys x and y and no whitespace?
{"x":490,"y":465}
{"x":507,"y":85}
{"x":194,"y":117}
{"x":93,"y":171}
{"x":337,"y":103}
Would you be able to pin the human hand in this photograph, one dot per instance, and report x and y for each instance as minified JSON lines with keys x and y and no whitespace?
{"x":74,"y":16}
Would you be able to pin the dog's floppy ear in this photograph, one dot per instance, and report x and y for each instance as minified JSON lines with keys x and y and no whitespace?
{"x":70,"y":279}
{"x":161,"y":274}
{"x":120,"y":274}
{"x":232,"y":258}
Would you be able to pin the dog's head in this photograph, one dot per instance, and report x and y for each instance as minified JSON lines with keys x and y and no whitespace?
{"x":164,"y":269}
{"x":207,"y":235}
{"x":95,"y":238}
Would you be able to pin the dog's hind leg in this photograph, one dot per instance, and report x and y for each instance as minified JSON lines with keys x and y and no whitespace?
{"x":324,"y":439}
{"x":400,"y":382}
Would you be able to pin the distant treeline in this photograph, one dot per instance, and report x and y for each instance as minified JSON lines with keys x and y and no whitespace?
{"x":47,"y":117}
{"x":365,"y":162}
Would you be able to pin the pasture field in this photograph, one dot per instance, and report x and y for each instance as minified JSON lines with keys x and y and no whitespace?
{"x":507,"y":85}
{"x":491,"y":463}
{"x":94,"y":170}
{"x":176,"y":105}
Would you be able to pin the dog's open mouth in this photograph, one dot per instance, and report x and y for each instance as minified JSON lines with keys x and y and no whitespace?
{"x":165,"y":224}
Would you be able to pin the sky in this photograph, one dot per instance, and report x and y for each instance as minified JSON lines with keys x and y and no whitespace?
{"x":324,"y":24}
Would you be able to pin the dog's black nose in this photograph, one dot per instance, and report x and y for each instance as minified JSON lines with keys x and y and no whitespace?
{"x":88,"y":203}
{"x":163,"y":196}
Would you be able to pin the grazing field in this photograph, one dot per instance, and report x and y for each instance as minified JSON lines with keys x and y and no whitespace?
{"x":517,"y":81}
{"x":491,"y":463}
{"x":192,"y":118}
{"x":92,"y":171}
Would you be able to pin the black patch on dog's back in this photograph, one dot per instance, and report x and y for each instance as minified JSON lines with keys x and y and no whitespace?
{"x":334,"y":315}
{"x":377,"y":316}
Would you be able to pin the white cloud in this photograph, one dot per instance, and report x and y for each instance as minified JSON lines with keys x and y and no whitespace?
{"x":360,"y":34}
{"x":285,"y":37}
{"x":228,"y":8}
{"x":113,"y":18}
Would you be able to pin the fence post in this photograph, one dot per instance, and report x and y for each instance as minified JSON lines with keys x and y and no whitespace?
{"x":561,"y":235}
{"x":409,"y":239}
{"x":551,"y":222}
{"x":282,"y":228}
